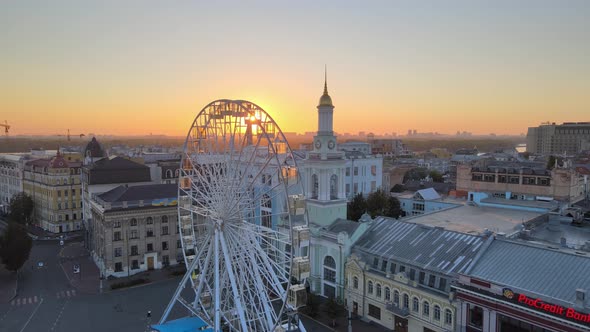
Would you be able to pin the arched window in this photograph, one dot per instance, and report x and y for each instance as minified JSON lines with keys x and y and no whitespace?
{"x":329,"y":262}
{"x":334,"y":186}
{"x":149,"y":220}
{"x":329,"y":269}
{"x":168,"y":173}
{"x":176,"y":172}
{"x":355,"y":282}
{"x":425,"y":308}
{"x":415,"y":304}
{"x":436,"y":313}
{"x":314,"y":186}
{"x":448,"y":317}
{"x":370,"y":287}
{"x":387,"y":294}
{"x":133,"y":222}
{"x":378,"y":286}
{"x":396,"y":297}
{"x":164,"y":219}
{"x":406,"y":301}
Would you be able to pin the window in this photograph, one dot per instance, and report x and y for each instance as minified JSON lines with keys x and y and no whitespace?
{"x":412,"y":274}
{"x":329,"y":269}
{"x":59,"y":206}
{"x":117,"y":236}
{"x":59,"y":191}
{"x":396,"y":297}
{"x":134,"y":251}
{"x":374,"y":311}
{"x":406,"y":301}
{"x":117,"y":224}
{"x":392,"y":268}
{"x":436,"y":313}
{"x":376,"y":262}
{"x":133,"y":234}
{"x":370,"y":287}
{"x":150,"y":247}
{"x":149,"y":220}
{"x":475,"y":318}
{"x":164,"y":245}
{"x":387,"y":294}
{"x":164,"y":230}
{"x":442,"y":284}
{"x":402,"y":268}
{"x":134,"y":264}
{"x":378,"y":287}
{"x":426,"y":308}
{"x":448,"y":317}
{"x":355,"y":283}
{"x":119,"y":267}
{"x":384,"y":265}
{"x":164,"y":219}
{"x":65,"y":191}
{"x":133,"y":222}
{"x":150,"y":232}
{"x":73,"y":192}
{"x":165,"y":260}
{"x":118,"y":252}
{"x":67,"y":217}
{"x":347,"y":171}
{"x":431,"y":281}
{"x":421,"y":278}
{"x":356,"y":171}
{"x":415,"y":304}
{"x":178,"y":244}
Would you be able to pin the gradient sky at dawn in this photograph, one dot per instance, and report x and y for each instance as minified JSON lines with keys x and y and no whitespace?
{"x":140,"y":67}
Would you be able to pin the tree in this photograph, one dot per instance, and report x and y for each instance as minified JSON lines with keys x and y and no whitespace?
{"x":551,"y":162}
{"x":312,"y":305}
{"x":398,"y":188}
{"x":21,"y":209}
{"x":15,"y":246}
{"x":356,"y":207}
{"x":394,"y":210}
{"x":416,"y":174}
{"x":332,"y":309}
{"x":378,"y":203}
{"x":436,"y":176}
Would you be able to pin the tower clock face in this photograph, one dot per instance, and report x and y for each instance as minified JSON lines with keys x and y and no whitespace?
{"x":331,"y":145}
{"x":318,"y":144}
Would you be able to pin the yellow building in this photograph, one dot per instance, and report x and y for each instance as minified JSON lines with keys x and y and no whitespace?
{"x":54,"y":186}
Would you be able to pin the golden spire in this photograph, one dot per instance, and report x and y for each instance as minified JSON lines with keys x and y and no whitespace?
{"x":325,"y":99}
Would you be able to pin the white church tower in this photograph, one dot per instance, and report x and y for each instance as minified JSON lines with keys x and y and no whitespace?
{"x":324,"y":170}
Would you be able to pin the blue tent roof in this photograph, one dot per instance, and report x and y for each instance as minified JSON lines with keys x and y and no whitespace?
{"x":186,"y":324}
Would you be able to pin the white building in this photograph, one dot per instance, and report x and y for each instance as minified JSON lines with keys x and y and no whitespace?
{"x":11,"y":178}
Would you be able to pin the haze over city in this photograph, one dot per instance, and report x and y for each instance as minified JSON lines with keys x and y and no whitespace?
{"x":139,"y":67}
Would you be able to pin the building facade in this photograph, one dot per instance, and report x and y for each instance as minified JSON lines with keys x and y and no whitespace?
{"x":516,"y":286}
{"x":400,"y":274}
{"x":11,"y":178}
{"x":569,"y":138}
{"x":522,"y":182}
{"x":135,"y":229}
{"x":54,"y":185}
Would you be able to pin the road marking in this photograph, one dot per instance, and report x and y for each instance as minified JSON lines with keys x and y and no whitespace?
{"x":13,"y":302}
{"x":32,"y":314}
{"x":68,"y":293}
{"x":59,"y":316}
{"x":30,"y":300}
{"x":17,"y":302}
{"x":35,"y":298}
{"x":73,"y":292}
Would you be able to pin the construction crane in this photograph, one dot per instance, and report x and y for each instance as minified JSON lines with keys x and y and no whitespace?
{"x":6,"y":127}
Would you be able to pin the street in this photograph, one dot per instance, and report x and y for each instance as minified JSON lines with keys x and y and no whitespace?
{"x":47,"y":302}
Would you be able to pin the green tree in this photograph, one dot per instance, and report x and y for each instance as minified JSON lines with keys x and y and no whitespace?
{"x":394,"y":210}
{"x":21,"y":209}
{"x":332,"y":309}
{"x":312,"y":305}
{"x":398,"y":188}
{"x":15,"y":246}
{"x":416,"y":174}
{"x":356,"y":207}
{"x":378,"y":203}
{"x":436,"y":176}
{"x":551,"y":162}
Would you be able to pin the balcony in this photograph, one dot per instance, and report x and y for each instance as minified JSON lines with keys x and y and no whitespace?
{"x":393,"y":308}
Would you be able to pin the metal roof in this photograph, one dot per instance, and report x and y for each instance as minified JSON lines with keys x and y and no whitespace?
{"x":533,"y":269}
{"x":428,"y":194}
{"x":136,"y":193}
{"x":343,"y":225}
{"x":430,"y":248}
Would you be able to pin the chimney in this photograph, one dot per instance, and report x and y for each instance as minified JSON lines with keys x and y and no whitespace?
{"x":580,"y":298}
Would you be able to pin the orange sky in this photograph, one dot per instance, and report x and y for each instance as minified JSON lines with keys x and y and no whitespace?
{"x":150,"y":68}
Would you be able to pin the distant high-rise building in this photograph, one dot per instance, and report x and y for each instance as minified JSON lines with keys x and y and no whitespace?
{"x":549,"y":138}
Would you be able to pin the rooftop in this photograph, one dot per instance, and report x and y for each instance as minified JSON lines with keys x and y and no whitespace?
{"x":534,"y":270}
{"x":476,"y":219}
{"x":138,"y":193}
{"x":426,"y":247}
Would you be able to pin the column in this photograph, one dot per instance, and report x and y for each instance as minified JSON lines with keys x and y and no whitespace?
{"x":462,"y":314}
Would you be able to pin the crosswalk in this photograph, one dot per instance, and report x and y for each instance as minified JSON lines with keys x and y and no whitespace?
{"x":22,"y":301}
{"x":66,"y":294}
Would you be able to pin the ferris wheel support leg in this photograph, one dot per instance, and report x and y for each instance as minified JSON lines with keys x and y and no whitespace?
{"x":234,"y":285}
{"x":179,"y":289}
{"x":217,"y":284}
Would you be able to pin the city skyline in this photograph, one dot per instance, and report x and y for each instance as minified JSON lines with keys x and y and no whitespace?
{"x":145,"y":68}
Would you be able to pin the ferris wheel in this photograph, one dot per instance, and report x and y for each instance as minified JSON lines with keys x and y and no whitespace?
{"x":242,"y":224}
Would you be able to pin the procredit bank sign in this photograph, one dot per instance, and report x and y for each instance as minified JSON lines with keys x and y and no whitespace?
{"x":536,"y":303}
